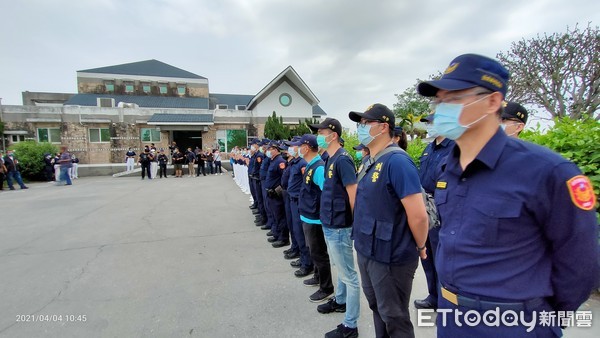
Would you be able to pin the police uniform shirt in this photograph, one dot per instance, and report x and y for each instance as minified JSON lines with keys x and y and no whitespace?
{"x":297,"y":168}
{"x":335,"y":204}
{"x":264,"y":167}
{"x":381,"y":230}
{"x":432,"y":158}
{"x":518,"y":224}
{"x":285,"y":176}
{"x":259,"y":159}
{"x":130,"y":154}
{"x":251,"y":164}
{"x":276,"y":167}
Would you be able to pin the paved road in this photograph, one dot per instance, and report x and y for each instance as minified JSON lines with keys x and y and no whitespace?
{"x":162,"y":258}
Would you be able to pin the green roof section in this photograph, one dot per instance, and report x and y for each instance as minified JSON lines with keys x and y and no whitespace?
{"x":145,"y":68}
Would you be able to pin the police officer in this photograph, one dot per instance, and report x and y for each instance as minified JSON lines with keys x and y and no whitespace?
{"x":251,"y":164}
{"x":400,"y":137}
{"x":518,"y":223}
{"x":362,"y":155}
{"x":514,"y":118}
{"x":285,"y":177}
{"x":390,"y":227}
{"x":162,"y":163}
{"x":280,"y":233}
{"x":144,"y":161}
{"x":337,"y":203}
{"x":431,"y":159}
{"x":130,"y":159}
{"x":259,"y":212}
{"x":309,"y":208}
{"x":267,"y":218}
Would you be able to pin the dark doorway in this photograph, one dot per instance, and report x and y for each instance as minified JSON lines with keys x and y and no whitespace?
{"x":185,"y":139}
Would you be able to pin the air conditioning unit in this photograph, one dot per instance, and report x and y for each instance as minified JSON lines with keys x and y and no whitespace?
{"x":106,"y":102}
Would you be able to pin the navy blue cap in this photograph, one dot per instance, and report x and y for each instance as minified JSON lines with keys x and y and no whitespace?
{"x":328,"y":123}
{"x":428,"y":118}
{"x":273,"y":144}
{"x":375,"y":112}
{"x":254,"y":141}
{"x":468,"y":71}
{"x":397,"y":131}
{"x":264,"y":142}
{"x":514,"y":111}
{"x":309,"y":139}
{"x":359,"y":147}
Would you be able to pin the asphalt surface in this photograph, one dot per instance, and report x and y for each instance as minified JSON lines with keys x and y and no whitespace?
{"x":177,"y":257}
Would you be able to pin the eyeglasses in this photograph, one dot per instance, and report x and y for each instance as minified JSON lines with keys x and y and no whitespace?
{"x":456,"y":98}
{"x":363,"y":123}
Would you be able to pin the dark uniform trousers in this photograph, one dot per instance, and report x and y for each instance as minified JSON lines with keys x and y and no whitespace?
{"x":298,"y":232}
{"x":251,"y":183}
{"x":268,"y":218}
{"x":387,"y":289}
{"x":315,"y":240}
{"x":279,"y":224}
{"x":428,"y":264}
{"x":162,"y":170}
{"x":288,"y":220}
{"x":146,"y":170}
{"x":259,"y":200}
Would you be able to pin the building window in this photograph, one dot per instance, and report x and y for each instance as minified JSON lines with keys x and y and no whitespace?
{"x":162,"y":88}
{"x":222,"y":106}
{"x":129,"y":88}
{"x":109,"y":86}
{"x":285,"y":99}
{"x":240,"y":107}
{"x":51,"y":135}
{"x":181,"y":90}
{"x":99,"y":135}
{"x":146,"y":88}
{"x":150,"y":135}
{"x":17,"y":138}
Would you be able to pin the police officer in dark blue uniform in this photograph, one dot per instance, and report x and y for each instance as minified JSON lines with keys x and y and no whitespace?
{"x":519,"y":232}
{"x":261,"y":214}
{"x":431,"y":159}
{"x":279,"y":229}
{"x":251,"y":163}
{"x":293,"y":251}
{"x":297,"y":169}
{"x":267,"y":218}
{"x":390,"y":225}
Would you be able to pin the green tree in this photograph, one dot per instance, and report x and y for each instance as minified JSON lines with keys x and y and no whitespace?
{"x":559,"y":72}
{"x":410,"y":108}
{"x":275,"y":129}
{"x":31,"y":157}
{"x":303,"y":127}
{"x":576,"y":140}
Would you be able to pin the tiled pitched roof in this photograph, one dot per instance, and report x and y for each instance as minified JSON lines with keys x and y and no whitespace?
{"x":231,"y":100}
{"x":145,"y":68}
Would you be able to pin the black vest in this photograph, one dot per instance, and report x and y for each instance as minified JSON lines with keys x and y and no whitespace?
{"x":309,"y":203}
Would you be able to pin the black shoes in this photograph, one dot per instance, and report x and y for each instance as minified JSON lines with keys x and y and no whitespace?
{"x":331,"y":306}
{"x":425,"y":304}
{"x":255,"y":212}
{"x":251,"y":207}
{"x":270,"y":233}
{"x":287,"y":251}
{"x":303,"y":272}
{"x":320,"y":296}
{"x":313,"y":281}
{"x":272,"y":239}
{"x":296,"y":264}
{"x":342,"y":332}
{"x":292,"y":255}
{"x":279,"y":244}
{"x":265,"y":227}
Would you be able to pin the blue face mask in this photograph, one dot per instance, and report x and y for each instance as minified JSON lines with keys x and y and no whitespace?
{"x":364,"y":135}
{"x":300,"y":153}
{"x":446,"y":119}
{"x":322,"y":141}
{"x":431,"y":131}
{"x":358,"y":155}
{"x":268,"y":153}
{"x":292,"y":152}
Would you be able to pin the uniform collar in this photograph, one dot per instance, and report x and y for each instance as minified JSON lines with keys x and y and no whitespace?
{"x":315,"y":159}
{"x":488,"y":156}
{"x":445,"y":142}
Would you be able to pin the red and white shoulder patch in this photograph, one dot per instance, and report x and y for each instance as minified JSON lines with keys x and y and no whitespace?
{"x":282,"y":165}
{"x":582,"y":193}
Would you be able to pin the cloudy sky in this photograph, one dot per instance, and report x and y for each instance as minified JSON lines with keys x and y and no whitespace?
{"x":350,"y":53}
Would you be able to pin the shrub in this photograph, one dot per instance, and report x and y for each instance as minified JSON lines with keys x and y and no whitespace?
{"x":415,"y":149}
{"x":577,"y":141}
{"x":31,"y":157}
